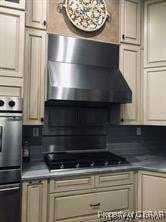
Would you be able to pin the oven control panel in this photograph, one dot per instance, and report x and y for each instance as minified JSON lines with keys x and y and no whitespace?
{"x":10,"y":104}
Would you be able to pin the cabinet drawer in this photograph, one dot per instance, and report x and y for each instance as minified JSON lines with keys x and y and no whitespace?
{"x":113,"y":179}
{"x":71,"y":184}
{"x":83,"y":205}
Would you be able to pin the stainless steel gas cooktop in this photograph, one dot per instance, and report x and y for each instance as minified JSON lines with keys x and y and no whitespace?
{"x":67,"y":160}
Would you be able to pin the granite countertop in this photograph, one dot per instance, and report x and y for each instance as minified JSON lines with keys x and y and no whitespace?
{"x":39,"y":170}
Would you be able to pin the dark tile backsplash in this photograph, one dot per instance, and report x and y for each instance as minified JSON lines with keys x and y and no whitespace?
{"x":121,"y":140}
{"x":92,"y":132}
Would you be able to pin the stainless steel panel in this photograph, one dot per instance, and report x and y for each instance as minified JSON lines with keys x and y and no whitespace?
{"x":10,"y":103}
{"x":80,"y":51}
{"x":10,"y":140}
{"x":10,"y":176}
{"x":10,"y":204}
{"x":83,"y":70}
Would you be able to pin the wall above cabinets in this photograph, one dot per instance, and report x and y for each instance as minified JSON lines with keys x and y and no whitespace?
{"x":58,"y":23}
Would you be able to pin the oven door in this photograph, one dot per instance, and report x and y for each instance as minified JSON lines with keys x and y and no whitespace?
{"x":10,"y":208}
{"x":10,"y":139}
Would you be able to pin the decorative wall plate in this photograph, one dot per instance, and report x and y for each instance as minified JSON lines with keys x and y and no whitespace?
{"x":86,"y":15}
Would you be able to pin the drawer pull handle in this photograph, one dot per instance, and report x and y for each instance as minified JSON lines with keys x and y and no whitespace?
{"x":95,"y":205}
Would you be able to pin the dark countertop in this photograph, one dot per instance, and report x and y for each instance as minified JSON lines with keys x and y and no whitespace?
{"x":39,"y":170}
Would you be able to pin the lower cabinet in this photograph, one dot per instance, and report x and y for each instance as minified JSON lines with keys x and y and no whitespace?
{"x":34,"y":201}
{"x":85,"y":206}
{"x":152,"y":192}
{"x":77,"y":199}
{"x":152,"y":189}
{"x":80,"y":199}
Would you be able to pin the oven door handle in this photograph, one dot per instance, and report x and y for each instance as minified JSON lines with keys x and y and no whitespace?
{"x":9,"y":189}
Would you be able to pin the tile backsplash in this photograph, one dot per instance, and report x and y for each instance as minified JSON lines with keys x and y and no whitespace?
{"x":122,"y":140}
{"x":136,"y":140}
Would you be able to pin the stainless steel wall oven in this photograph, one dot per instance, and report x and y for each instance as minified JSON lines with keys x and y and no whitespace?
{"x":10,"y":158}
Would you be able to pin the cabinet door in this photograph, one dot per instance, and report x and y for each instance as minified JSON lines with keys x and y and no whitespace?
{"x":34,"y":201}
{"x":36,"y":13}
{"x":35,"y":65}
{"x":152,"y":190}
{"x":130,"y":21}
{"x":155,"y":33}
{"x":130,"y":67}
{"x":12,"y":24}
{"x":154,"y":96}
{"x":18,"y":4}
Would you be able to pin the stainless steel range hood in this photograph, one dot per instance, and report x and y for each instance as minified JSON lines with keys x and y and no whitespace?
{"x":84,"y":70}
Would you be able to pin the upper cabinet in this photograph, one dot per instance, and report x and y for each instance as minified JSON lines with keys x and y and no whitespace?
{"x":155,"y":33}
{"x":36,"y":13}
{"x":130,"y":21}
{"x":35,"y":62}
{"x":154,"y":96}
{"x":17,"y":4}
{"x":34,"y":201}
{"x":130,"y":67}
{"x":12,"y":42}
{"x":12,"y":26}
{"x":35,"y":67}
{"x":155,"y":62}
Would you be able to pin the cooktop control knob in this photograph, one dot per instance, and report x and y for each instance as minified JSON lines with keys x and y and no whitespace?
{"x":1,"y":103}
{"x":106,"y":163}
{"x":12,"y":103}
{"x":92,"y":164}
{"x":62,"y":166}
{"x":77,"y":165}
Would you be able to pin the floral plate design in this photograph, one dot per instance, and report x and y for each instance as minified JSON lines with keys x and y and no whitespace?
{"x":87,"y":15}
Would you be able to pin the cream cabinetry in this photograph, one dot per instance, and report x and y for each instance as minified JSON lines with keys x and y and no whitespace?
{"x":155,"y":33}
{"x":11,"y":86}
{"x":130,"y":21}
{"x":155,"y":62}
{"x":34,"y":201}
{"x":154,"y":96}
{"x":35,"y":68}
{"x":17,"y":4}
{"x":36,"y":13}
{"x":80,"y":199}
{"x":35,"y":62}
{"x":130,"y":63}
{"x":12,"y":42}
{"x":12,"y":26}
{"x":76,"y":207}
{"x":152,"y":192}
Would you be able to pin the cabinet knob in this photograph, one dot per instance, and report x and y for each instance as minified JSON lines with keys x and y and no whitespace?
{"x":122,"y":120}
{"x":42,"y":119}
{"x":123,"y":37}
{"x":44,"y":23}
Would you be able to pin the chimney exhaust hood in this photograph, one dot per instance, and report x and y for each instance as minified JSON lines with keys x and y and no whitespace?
{"x":85,"y":70}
